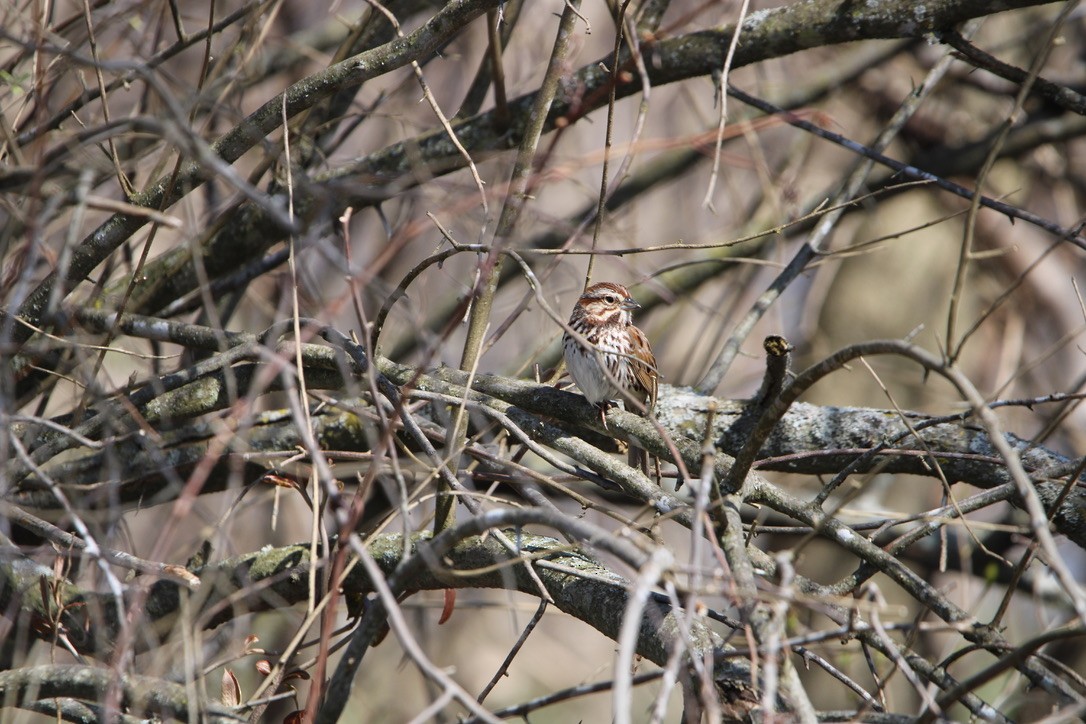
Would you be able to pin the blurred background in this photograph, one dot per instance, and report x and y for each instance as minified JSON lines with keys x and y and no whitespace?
{"x":696,"y":238}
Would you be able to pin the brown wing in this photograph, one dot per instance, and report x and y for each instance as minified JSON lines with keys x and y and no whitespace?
{"x":644,"y":373}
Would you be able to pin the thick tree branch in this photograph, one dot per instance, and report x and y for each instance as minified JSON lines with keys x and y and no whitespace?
{"x":809,"y":439}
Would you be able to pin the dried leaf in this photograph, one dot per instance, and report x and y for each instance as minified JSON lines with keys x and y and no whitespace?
{"x":280,"y":480}
{"x":450,"y":604}
{"x":231,"y":689}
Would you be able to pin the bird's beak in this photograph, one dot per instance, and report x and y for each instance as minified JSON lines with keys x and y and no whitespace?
{"x":629,"y":303}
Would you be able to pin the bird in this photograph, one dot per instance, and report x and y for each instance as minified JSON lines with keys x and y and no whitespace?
{"x":608,"y":357}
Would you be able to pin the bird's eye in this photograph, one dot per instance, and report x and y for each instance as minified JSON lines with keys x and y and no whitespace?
{"x":610,"y":299}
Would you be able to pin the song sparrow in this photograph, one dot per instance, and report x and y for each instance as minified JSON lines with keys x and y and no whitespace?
{"x":617,"y":363}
